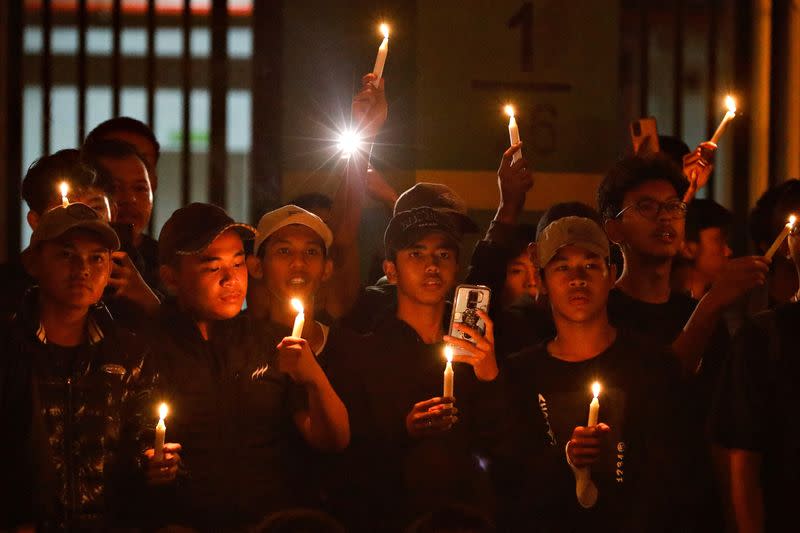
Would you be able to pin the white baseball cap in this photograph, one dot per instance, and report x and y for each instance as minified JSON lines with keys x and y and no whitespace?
{"x":286,"y":216}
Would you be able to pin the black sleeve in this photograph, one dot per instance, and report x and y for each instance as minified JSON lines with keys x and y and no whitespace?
{"x":488,"y":263}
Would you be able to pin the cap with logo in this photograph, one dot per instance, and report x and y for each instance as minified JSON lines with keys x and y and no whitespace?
{"x":59,"y":220}
{"x":286,"y":216}
{"x":408,"y":227}
{"x":571,"y":231}
{"x":439,"y":197}
{"x":191,"y":229}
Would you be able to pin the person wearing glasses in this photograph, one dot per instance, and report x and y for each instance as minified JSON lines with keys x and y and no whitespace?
{"x":641,"y":202}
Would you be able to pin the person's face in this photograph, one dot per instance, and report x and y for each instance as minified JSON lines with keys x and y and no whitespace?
{"x":72,"y":271}
{"x":425,"y":272}
{"x":133,"y":196}
{"x":293,"y":264}
{"x":144,"y":147}
{"x":520,"y":279}
{"x":210,"y":285}
{"x":710,"y":253}
{"x":577,"y":283}
{"x":657,"y":236}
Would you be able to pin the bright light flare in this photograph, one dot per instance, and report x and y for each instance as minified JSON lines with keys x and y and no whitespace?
{"x":730,"y":103}
{"x":448,"y":353}
{"x":162,"y":411}
{"x":297,"y":304}
{"x":596,"y":389}
{"x":509,"y":110}
{"x":792,"y":220}
{"x":385,"y":30}
{"x":349,"y":142}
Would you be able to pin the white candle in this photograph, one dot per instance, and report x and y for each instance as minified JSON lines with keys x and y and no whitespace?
{"x":513,"y":132}
{"x":594,"y":407}
{"x":383,"y":51}
{"x":448,"y":373}
{"x":161,"y":433}
{"x":781,"y":237}
{"x":300,"y":319}
{"x":63,"y":187}
{"x":730,"y":115}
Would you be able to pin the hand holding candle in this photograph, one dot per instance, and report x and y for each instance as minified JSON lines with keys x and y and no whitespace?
{"x":300,"y":319}
{"x":448,"y":373}
{"x":383,"y":51}
{"x":161,"y":433}
{"x":513,"y":132}
{"x":63,"y":187}
{"x":730,"y":103}
{"x":781,"y":237}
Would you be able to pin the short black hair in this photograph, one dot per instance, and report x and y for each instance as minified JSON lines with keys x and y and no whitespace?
{"x":92,"y":152}
{"x":631,"y":172}
{"x":523,"y":235}
{"x":703,"y":214}
{"x":312,"y":200}
{"x":673,"y":147}
{"x":126,"y":124}
{"x":40,"y":185}
{"x":567,"y":209}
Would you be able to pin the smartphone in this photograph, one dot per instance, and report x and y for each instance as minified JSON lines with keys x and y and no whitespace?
{"x":469,"y":299}
{"x":125,"y":234}
{"x":644,"y":136}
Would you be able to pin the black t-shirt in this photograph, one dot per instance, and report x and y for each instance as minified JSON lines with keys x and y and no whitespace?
{"x":386,"y":478}
{"x":756,"y":403}
{"x":241,"y":450}
{"x":638,"y":474}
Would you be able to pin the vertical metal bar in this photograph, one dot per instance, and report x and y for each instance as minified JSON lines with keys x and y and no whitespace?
{"x":743,"y":55}
{"x":151,"y":64}
{"x":186,"y":129}
{"x":711,"y":86}
{"x":82,"y":27}
{"x":219,"y":93}
{"x":644,"y":57}
{"x":116,"y":63}
{"x":47,"y":26}
{"x":265,"y":160}
{"x":677,"y":94}
{"x":13,"y":126}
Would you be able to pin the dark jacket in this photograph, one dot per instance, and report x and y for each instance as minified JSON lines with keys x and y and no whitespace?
{"x":80,"y":419}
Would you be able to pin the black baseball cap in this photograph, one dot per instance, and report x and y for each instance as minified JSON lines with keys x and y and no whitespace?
{"x":408,"y":227}
{"x":439,"y":197}
{"x":192,"y":228}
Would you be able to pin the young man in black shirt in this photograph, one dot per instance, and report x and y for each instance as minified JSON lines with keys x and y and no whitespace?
{"x":633,"y":453}
{"x":412,"y":449}
{"x":241,"y":432}
{"x":754,"y":410}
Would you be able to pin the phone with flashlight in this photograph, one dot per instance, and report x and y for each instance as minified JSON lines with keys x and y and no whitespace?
{"x":644,"y":136}
{"x":468,"y":301}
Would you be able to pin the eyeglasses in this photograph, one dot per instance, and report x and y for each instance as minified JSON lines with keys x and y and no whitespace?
{"x":650,"y":209}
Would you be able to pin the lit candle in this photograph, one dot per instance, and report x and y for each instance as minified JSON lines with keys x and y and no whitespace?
{"x":300,"y":319}
{"x":448,"y":373}
{"x":781,"y":237}
{"x":513,"y":131}
{"x":161,"y":432}
{"x":383,"y":51}
{"x":594,"y":407}
{"x":730,"y":103}
{"x":64,"y":188}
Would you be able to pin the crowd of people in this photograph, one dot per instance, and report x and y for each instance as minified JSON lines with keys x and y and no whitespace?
{"x":346,"y":426}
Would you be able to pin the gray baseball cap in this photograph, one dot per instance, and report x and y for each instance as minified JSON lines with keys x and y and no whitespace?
{"x":571,"y":231}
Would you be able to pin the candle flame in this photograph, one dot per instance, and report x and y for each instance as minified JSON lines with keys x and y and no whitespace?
{"x":385,"y":30}
{"x":64,"y":188}
{"x":792,"y":220}
{"x":297,"y":304}
{"x":162,"y":411}
{"x":509,"y":110}
{"x":730,"y":103}
{"x":596,"y":389}
{"x":448,"y":353}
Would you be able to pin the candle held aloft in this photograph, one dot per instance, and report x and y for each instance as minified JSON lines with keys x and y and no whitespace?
{"x":448,"y":373}
{"x":594,"y":407}
{"x":513,"y":132}
{"x":730,"y":103}
{"x":383,"y":51}
{"x":63,"y":187}
{"x":161,"y":433}
{"x":300,"y":319}
{"x":781,"y":237}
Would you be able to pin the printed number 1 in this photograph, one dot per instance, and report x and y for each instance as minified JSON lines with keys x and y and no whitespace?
{"x":524,"y":19}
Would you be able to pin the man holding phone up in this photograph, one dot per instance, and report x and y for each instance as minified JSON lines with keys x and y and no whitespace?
{"x":412,"y":450}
